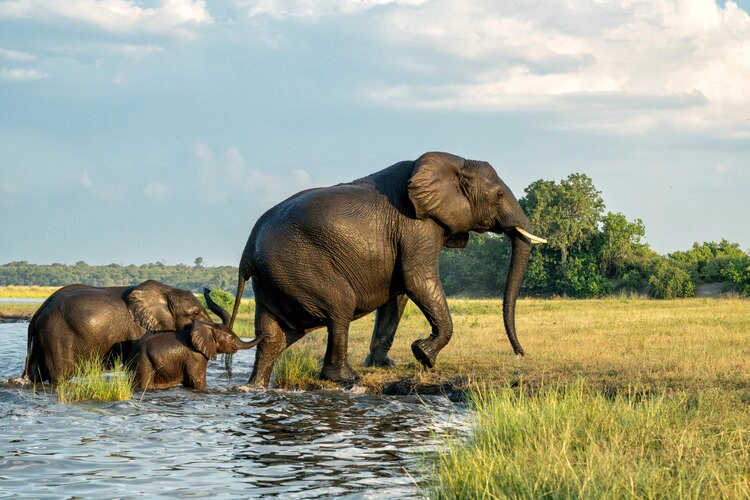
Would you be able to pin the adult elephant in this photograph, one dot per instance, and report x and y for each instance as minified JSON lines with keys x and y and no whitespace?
{"x":327,"y":256}
{"x":78,"y":320}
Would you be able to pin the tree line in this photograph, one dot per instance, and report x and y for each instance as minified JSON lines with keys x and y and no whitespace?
{"x":589,"y":253}
{"x":182,"y":276}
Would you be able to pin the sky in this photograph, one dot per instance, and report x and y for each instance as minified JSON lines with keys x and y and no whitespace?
{"x":134,"y":131}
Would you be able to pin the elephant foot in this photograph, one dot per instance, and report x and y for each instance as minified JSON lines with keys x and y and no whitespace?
{"x":423,"y":351}
{"x":381,"y":361}
{"x":343,"y":374}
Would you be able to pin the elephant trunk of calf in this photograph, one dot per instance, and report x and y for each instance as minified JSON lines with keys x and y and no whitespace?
{"x":241,"y":344}
{"x":516,"y":270}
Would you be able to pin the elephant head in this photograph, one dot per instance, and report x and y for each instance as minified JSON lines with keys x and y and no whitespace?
{"x":465,"y":195}
{"x":156,"y":306}
{"x":212,"y":338}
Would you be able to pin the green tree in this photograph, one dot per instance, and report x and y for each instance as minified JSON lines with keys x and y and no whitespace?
{"x":568,"y":214}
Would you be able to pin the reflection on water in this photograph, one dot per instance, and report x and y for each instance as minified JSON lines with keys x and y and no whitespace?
{"x":21,"y":300}
{"x":220,"y":442}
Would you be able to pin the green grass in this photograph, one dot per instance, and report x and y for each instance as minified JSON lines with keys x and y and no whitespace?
{"x":91,"y":380}
{"x":572,"y":441}
{"x":297,"y":368}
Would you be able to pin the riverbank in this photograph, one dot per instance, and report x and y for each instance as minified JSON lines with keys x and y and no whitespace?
{"x":13,"y":312}
{"x":610,"y":344}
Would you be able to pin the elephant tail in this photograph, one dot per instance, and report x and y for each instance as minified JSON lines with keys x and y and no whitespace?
{"x":243,"y":275}
{"x":241,"y":280}
{"x":29,"y":342}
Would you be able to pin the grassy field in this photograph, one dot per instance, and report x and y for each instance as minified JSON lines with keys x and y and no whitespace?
{"x":612,"y":344}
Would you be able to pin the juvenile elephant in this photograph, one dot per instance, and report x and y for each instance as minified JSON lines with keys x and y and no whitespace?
{"x":327,"y":256}
{"x":78,"y":321}
{"x":165,"y":359}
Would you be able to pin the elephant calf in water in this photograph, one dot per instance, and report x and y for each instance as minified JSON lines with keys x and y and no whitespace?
{"x":165,"y":359}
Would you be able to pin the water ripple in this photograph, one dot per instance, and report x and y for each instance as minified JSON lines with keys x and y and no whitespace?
{"x":220,"y":442}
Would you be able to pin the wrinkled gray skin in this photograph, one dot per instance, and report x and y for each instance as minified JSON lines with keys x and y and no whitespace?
{"x":78,"y":321}
{"x":327,"y":256}
{"x":165,"y":359}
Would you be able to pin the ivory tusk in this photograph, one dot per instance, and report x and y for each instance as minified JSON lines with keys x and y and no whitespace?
{"x":534,"y":239}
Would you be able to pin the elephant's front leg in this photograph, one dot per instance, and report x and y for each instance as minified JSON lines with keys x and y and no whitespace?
{"x":427,"y":293}
{"x":387,"y":318}
{"x":335,"y":363}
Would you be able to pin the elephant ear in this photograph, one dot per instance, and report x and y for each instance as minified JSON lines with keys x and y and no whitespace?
{"x":150,"y":306}
{"x":202,"y":338}
{"x":435,"y":191}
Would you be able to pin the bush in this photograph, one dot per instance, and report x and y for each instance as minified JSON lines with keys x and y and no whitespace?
{"x":737,"y":273}
{"x":581,"y":279}
{"x":670,"y":281}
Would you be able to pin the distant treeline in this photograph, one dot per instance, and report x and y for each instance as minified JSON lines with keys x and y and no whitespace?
{"x":180,"y":275}
{"x":590,"y":254}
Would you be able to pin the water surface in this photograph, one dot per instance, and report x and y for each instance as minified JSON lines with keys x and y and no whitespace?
{"x":219,"y":442}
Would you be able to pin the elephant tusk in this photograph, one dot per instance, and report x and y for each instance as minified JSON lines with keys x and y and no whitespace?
{"x":534,"y":239}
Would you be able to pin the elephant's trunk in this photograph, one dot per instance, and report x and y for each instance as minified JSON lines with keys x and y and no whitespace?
{"x":241,"y":344}
{"x":519,"y":259}
{"x":216,"y":308}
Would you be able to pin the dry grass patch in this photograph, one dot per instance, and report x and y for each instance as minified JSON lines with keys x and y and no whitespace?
{"x":27,"y":292}
{"x":689,"y":344}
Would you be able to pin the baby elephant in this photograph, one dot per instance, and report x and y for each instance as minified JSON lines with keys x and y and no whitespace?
{"x":165,"y":359}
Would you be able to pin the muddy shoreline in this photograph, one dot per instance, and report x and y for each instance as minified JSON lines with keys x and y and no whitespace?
{"x":15,"y":318}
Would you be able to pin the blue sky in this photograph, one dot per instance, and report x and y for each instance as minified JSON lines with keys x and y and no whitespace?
{"x":135,"y":131}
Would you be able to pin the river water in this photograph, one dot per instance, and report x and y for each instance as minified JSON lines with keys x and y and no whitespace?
{"x":221,"y":442}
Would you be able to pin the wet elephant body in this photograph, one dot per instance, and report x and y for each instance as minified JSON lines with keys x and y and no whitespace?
{"x":78,"y":321}
{"x":326,"y":256}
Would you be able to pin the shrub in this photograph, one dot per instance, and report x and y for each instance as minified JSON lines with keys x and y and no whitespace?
{"x":670,"y":280}
{"x":737,"y":273}
{"x":582,"y":279}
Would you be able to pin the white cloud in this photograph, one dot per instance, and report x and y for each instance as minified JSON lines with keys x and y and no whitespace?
{"x":157,"y":191}
{"x":22,"y":74}
{"x":15,"y":55}
{"x":315,"y":8}
{"x":172,"y":16}
{"x":224,"y":177}
{"x":627,"y":56}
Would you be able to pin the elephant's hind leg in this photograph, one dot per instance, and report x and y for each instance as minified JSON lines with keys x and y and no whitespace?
{"x":335,"y":364}
{"x":275,"y":340}
{"x":387,"y":318}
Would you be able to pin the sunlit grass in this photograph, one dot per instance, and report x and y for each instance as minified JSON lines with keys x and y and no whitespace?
{"x":572,"y":441}
{"x":689,"y":344}
{"x":27,"y":292}
{"x":91,"y":380}
{"x":296,"y":368}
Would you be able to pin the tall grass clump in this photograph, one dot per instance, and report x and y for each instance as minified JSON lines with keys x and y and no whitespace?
{"x":571,"y":441}
{"x":296,"y":368}
{"x":91,"y":380}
